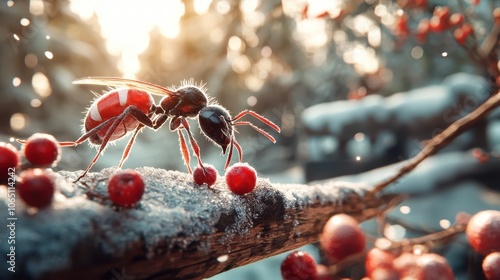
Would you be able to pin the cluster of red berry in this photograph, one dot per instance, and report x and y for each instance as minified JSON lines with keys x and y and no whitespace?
{"x":342,"y":239}
{"x":241,"y":178}
{"x":35,"y":186}
{"x":441,"y":20}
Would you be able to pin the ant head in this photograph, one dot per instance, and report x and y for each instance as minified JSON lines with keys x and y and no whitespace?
{"x":188,"y":103}
{"x":215,"y":123}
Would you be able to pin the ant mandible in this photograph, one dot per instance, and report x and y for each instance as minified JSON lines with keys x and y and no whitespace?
{"x":130,"y":107}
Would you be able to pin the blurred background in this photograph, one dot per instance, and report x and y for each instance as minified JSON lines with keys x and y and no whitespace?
{"x":352,"y":87}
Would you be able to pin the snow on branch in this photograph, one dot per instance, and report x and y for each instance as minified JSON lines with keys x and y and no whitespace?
{"x":411,"y":113}
{"x":178,"y":230}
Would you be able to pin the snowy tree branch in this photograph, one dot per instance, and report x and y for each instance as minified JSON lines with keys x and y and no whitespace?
{"x":442,"y":139}
{"x":179,"y":230}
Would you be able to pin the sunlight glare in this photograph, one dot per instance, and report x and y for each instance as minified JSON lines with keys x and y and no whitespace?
{"x":41,"y":84}
{"x":18,"y":121}
{"x":248,"y":6}
{"x":127,"y":26}
{"x":201,"y":6}
{"x":37,"y":7}
{"x":16,"y":82}
{"x":363,"y":58}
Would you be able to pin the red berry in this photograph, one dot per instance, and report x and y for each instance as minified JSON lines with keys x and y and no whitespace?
{"x":299,"y":265}
{"x":483,"y":232}
{"x":458,"y":34}
{"x":36,"y":188}
{"x":462,"y":33}
{"x":241,"y":178}
{"x":384,"y":274}
{"x":9,"y":161}
{"x":440,"y":19}
{"x":496,"y":15}
{"x":208,"y":175}
{"x":423,"y":29}
{"x":126,"y":187}
{"x":41,"y":149}
{"x":491,"y":266}
{"x":378,"y":259}
{"x":442,"y":12}
{"x":435,"y":266}
{"x":342,"y":237}
{"x":406,"y":265}
{"x":402,"y":25}
{"x":480,"y":155}
{"x":456,"y":19}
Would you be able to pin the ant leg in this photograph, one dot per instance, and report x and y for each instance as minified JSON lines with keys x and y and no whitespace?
{"x":82,"y":138}
{"x":159,"y":121}
{"x":230,"y":155}
{"x":185,"y":151}
{"x":131,"y":110}
{"x":240,"y":151}
{"x":261,"y":131}
{"x":105,"y":141}
{"x":257,"y":116}
{"x":194,"y":144}
{"x":233,"y":144}
{"x":129,"y":145}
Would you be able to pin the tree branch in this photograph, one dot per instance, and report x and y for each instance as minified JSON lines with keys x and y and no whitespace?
{"x":442,"y":139}
{"x":178,"y":231}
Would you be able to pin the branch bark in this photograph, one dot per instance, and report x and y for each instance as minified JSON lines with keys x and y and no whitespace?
{"x":178,"y":231}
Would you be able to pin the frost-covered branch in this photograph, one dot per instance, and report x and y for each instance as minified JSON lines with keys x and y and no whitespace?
{"x":179,"y":230}
{"x":442,"y":139}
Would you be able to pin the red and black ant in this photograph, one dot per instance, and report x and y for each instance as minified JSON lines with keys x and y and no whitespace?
{"x":130,"y":107}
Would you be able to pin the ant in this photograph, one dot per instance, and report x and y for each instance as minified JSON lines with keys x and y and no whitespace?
{"x":130,"y":107}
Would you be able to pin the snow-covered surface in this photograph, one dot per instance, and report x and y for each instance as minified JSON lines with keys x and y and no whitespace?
{"x":433,"y":173}
{"x":456,"y":96}
{"x":172,"y":206}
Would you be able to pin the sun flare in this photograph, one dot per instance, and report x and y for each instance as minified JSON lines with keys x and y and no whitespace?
{"x":126,"y":25}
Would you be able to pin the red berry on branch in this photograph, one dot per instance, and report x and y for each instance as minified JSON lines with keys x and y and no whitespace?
{"x":491,"y":266}
{"x":462,"y":33}
{"x":435,"y":266}
{"x":423,"y":29}
{"x":299,"y":265}
{"x":407,"y":266}
{"x":241,"y":178}
{"x":9,"y":161}
{"x":41,"y":149}
{"x":440,"y":19}
{"x":467,"y":29}
{"x":442,"y":12}
{"x":496,"y":15}
{"x":378,"y":259}
{"x":401,"y":27}
{"x":206,"y":175}
{"x":342,"y":237}
{"x":456,"y":19}
{"x":36,"y":188}
{"x":480,"y":155}
{"x":125,"y":188}
{"x":483,"y":232}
